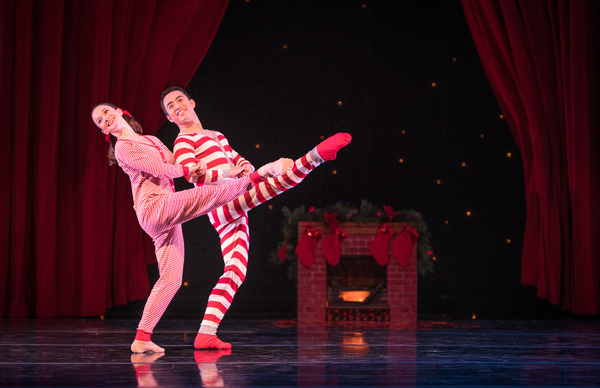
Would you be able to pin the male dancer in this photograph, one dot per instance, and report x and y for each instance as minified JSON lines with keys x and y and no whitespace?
{"x":195,"y":144}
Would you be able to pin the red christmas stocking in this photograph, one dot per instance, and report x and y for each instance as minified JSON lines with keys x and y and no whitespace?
{"x":306,"y":246}
{"x":331,"y":249}
{"x":403,"y":245}
{"x":381,"y":243}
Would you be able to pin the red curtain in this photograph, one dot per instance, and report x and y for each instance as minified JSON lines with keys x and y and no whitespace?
{"x":541,"y":58}
{"x":71,"y":244}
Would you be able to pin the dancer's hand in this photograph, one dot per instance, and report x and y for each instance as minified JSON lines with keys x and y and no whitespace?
{"x":198,"y":169}
{"x":247,"y":169}
{"x":236,"y":171}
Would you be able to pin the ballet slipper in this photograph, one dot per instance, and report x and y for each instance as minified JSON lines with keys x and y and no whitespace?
{"x":207,"y":341}
{"x":146,"y":347}
{"x":276,"y":168}
{"x":329,"y":147}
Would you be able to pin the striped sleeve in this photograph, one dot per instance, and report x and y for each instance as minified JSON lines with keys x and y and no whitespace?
{"x":238,"y":160}
{"x":135,"y":157}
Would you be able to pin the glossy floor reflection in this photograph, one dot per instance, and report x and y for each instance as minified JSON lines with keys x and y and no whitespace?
{"x":94,"y":352}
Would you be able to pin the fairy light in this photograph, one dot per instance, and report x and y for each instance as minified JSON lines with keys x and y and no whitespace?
{"x":257,"y":146}
{"x":468,"y":213}
{"x":334,"y":172}
{"x":340,"y":103}
{"x":400,"y":160}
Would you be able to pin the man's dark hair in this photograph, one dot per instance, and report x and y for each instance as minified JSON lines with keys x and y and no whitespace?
{"x":169,"y":90}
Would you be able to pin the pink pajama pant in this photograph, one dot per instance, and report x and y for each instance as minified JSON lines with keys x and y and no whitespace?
{"x":161,"y":217}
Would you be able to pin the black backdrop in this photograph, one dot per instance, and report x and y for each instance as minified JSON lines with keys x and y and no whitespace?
{"x":274,"y":75}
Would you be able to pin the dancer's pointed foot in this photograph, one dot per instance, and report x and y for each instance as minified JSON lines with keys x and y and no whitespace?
{"x":207,"y":341}
{"x":329,"y":147}
{"x":146,"y":347}
{"x":276,"y":168}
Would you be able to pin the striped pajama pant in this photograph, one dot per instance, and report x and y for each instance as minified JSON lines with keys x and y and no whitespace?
{"x":231,"y":223}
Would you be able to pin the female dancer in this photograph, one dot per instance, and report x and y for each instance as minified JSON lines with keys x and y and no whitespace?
{"x":159,"y":209}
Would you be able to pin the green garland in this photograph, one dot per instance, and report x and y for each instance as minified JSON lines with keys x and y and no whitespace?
{"x":366,"y":213}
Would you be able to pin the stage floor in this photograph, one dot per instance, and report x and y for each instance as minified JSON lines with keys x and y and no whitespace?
{"x":95,"y":353}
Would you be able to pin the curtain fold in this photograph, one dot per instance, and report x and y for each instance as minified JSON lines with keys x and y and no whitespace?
{"x":71,"y":244}
{"x":541,"y":59}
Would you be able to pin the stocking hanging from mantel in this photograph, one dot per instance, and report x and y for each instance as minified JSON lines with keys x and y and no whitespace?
{"x":306,"y":246}
{"x":331,"y":244}
{"x":402,"y":248}
{"x":381,"y":244}
{"x":379,"y":247}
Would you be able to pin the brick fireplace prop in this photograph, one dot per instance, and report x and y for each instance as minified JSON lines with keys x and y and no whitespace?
{"x":336,"y":293}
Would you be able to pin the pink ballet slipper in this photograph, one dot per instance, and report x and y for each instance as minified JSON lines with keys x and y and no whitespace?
{"x":146,"y":347}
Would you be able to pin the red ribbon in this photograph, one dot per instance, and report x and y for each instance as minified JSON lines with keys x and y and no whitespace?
{"x":126,"y":113}
{"x":390,"y":212}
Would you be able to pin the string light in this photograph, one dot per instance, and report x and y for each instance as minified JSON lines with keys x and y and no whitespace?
{"x":334,"y":172}
{"x":285,"y":46}
{"x":270,"y":207}
{"x":433,"y":84}
{"x":508,"y":155}
{"x":400,"y":160}
{"x":501,"y":117}
{"x":508,"y":241}
{"x":463,"y":164}
{"x":482,"y":136}
{"x":185,"y":284}
{"x":257,"y":146}
{"x":439,"y":182}
{"x":446,"y":222}
{"x":340,"y":103}
{"x":468,"y":213}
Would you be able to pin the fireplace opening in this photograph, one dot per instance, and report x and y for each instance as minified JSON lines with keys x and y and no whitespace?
{"x":356,"y":281}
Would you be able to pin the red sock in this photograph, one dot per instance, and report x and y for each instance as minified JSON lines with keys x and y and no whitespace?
{"x":207,"y":341}
{"x":306,"y":246}
{"x":381,"y":244}
{"x":329,"y":147}
{"x":141,"y":335}
{"x":331,"y":249}
{"x":404,"y":244}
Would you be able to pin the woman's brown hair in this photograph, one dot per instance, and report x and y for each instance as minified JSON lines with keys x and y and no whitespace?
{"x":137,"y":128}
